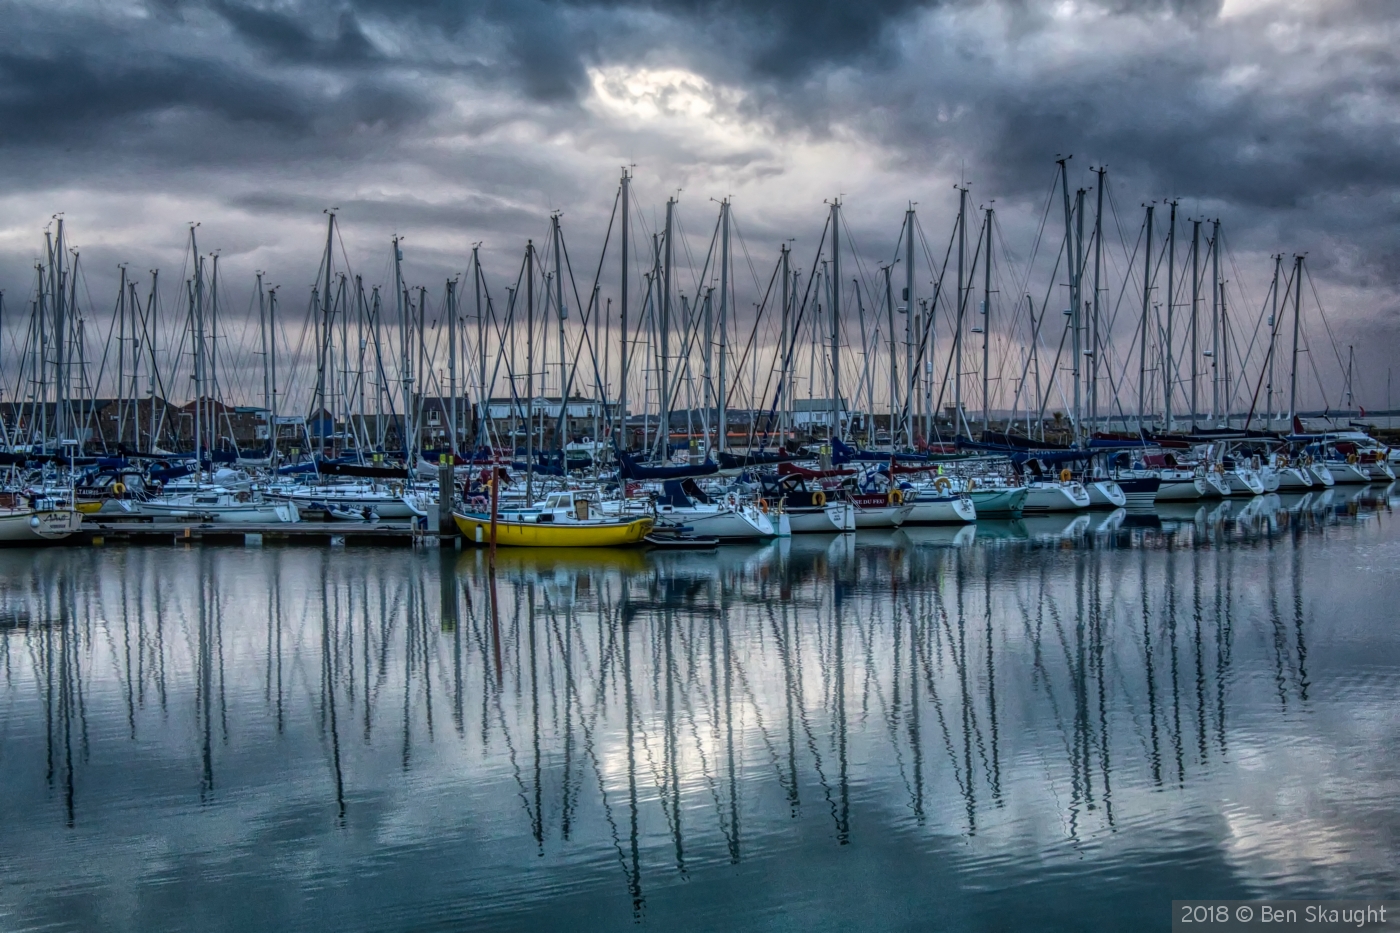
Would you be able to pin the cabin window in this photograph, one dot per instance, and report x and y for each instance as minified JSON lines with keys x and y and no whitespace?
{"x":433,"y":418}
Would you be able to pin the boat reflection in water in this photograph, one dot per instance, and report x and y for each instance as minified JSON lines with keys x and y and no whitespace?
{"x":1080,"y":716}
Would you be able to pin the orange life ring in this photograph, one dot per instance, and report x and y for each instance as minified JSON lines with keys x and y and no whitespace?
{"x":1066,"y":475}
{"x":763,"y":505}
{"x":895,"y":497}
{"x":119,"y":488}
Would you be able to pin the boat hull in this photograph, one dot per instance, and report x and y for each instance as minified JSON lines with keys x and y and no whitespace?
{"x":1183,"y":489}
{"x":476,"y":528}
{"x":1105,"y":494}
{"x":883,"y":516}
{"x":833,"y":518}
{"x":29,"y":526}
{"x":1140,"y":492}
{"x":724,"y":524}
{"x":941,"y":510}
{"x":1004,"y":503}
{"x":1055,"y":497}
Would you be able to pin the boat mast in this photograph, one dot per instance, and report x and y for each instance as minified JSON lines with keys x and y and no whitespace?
{"x":834,"y":287}
{"x":958,"y":326}
{"x":785,"y":347}
{"x":894,"y":366}
{"x":1273,"y":335}
{"x":1169,"y":372}
{"x":1195,"y":317}
{"x":323,"y":348}
{"x":1093,"y":352}
{"x":484,"y":396}
{"x":1216,"y":294}
{"x":452,"y":364}
{"x":663,"y":428}
{"x":563,"y":315}
{"x":1146,"y":310}
{"x":272,"y":371}
{"x":1297,"y":327}
{"x":622,"y":440}
{"x":529,"y":372}
{"x":405,"y":353}
{"x":986,"y":326}
{"x":908,"y":329}
{"x":1227,"y":397}
{"x":724,"y":325}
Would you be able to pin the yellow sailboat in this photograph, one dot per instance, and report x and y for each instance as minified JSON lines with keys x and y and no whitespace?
{"x":563,"y":521}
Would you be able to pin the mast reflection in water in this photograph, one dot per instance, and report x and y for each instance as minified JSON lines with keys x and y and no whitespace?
{"x":1068,"y":719}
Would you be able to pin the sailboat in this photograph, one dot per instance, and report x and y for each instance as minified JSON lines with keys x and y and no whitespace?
{"x":38,"y":521}
{"x":564,"y":519}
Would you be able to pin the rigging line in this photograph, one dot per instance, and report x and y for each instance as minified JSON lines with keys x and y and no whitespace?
{"x":932,"y":317}
{"x":586,"y":315}
{"x":1336,"y":350}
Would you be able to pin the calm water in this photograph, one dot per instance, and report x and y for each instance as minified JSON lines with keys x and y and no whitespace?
{"x":1053,"y":724}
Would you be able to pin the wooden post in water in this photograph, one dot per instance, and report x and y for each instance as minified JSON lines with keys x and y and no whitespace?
{"x":447,"y":486}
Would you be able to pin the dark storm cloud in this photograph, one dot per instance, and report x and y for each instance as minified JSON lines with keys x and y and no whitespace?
{"x":476,"y":118}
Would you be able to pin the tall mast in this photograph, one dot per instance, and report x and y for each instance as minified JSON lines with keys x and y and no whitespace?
{"x":1169,"y":372}
{"x":724,"y":325}
{"x":60,"y":336}
{"x":197,"y":316}
{"x":262,"y":332}
{"x":1146,"y":311}
{"x":894,"y":366}
{"x":1078,"y":317}
{"x":405,"y":351}
{"x":909,"y":331}
{"x":785,"y":350}
{"x":707,"y":396}
{"x":958,"y":327}
{"x":622,"y":439}
{"x":1195,"y":317}
{"x":452,"y":364}
{"x":668,"y":265}
{"x":562,"y":311}
{"x":1227,"y":396}
{"x":483,"y":394}
{"x":834,"y":285}
{"x":1215,"y":295}
{"x":1072,"y":265}
{"x":1094,"y":312}
{"x":272,"y":371}
{"x":986,"y":327}
{"x":325,"y":338}
{"x":1297,"y":326}
{"x":529,"y":372}
{"x":1273,"y":334}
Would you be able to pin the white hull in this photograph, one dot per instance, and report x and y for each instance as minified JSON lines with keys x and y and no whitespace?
{"x":942,"y":510}
{"x":1105,"y":494}
{"x":1292,"y":479}
{"x":1216,"y":486}
{"x":720,"y":522}
{"x":833,"y":518}
{"x":1055,"y":497}
{"x":1008,"y":501}
{"x":1245,"y":483}
{"x":28,"y":526}
{"x":1180,"y":489}
{"x":886,"y":516}
{"x":1344,"y":473}
{"x":385,"y":505}
{"x":1321,"y":474}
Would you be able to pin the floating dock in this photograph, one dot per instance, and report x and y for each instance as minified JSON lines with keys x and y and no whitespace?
{"x":253,"y":533}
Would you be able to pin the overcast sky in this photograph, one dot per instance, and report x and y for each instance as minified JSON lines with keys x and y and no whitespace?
{"x":451,"y":123}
